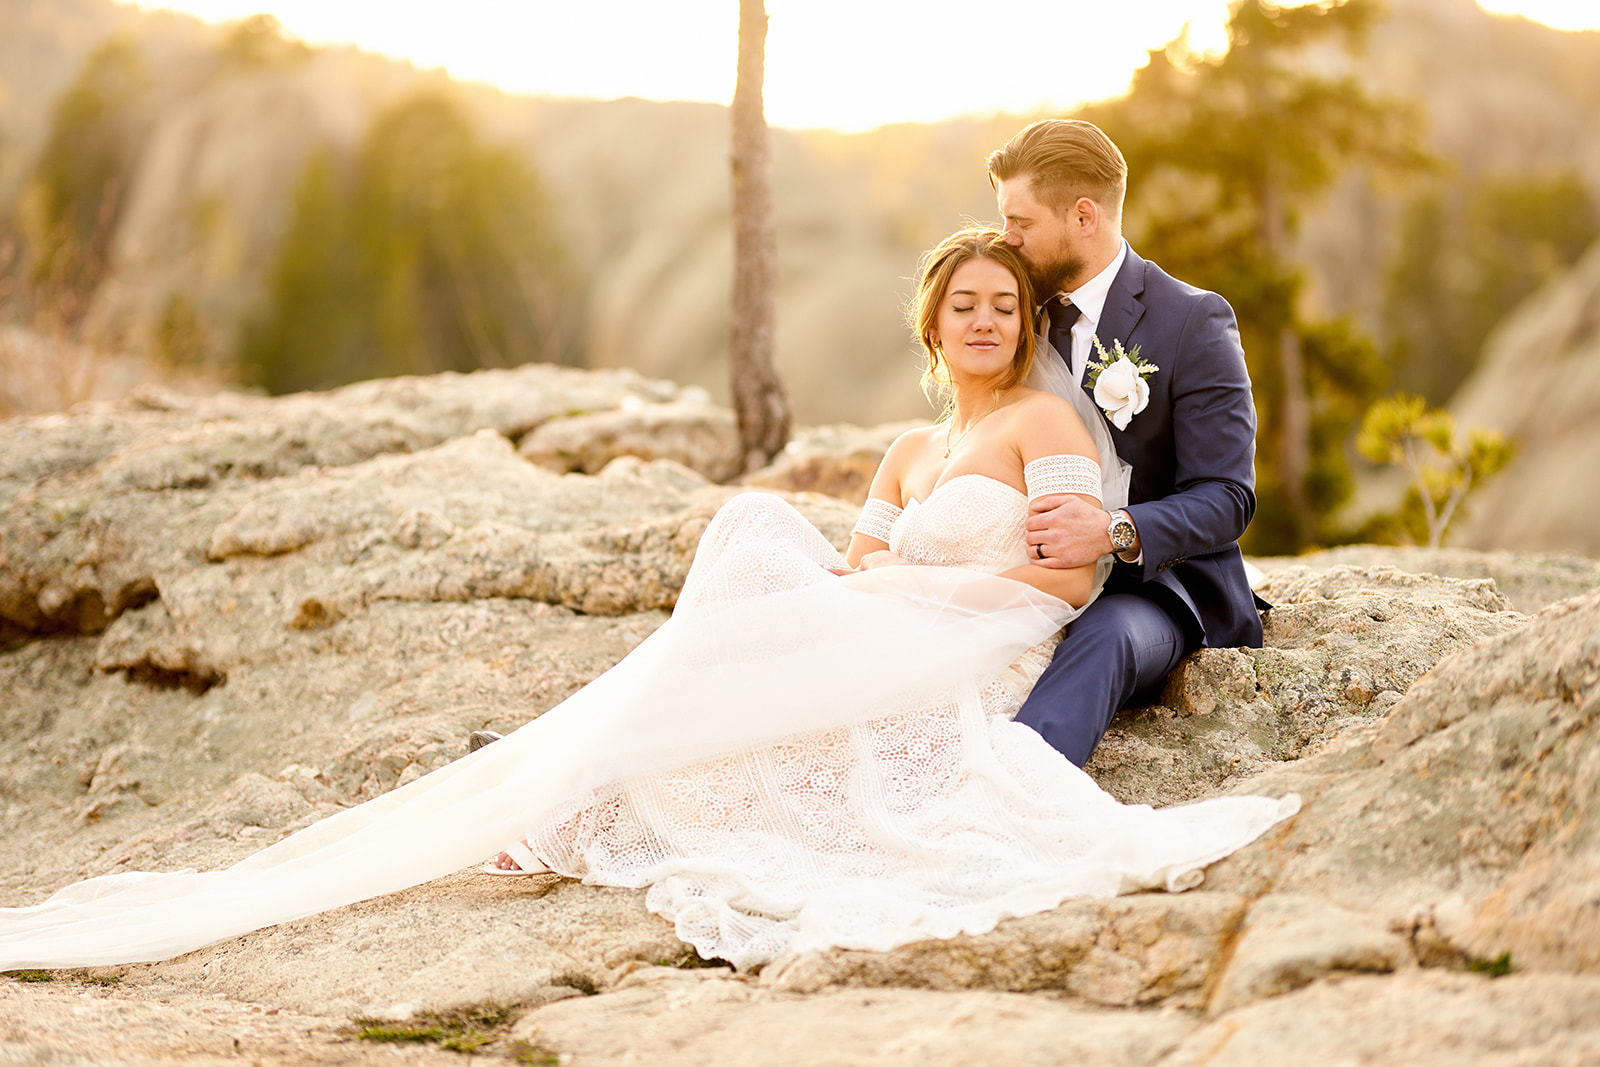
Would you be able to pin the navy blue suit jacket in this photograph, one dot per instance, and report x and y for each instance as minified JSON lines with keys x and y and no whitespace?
{"x":1193,"y":454}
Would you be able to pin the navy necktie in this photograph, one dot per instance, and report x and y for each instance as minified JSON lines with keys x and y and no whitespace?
{"x":1062,"y":315}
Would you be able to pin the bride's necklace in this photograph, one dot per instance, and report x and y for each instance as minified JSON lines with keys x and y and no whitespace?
{"x":951,"y":425}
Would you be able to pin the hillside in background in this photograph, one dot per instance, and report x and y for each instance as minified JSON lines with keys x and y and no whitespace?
{"x":1512,"y":110}
{"x":222,"y":129}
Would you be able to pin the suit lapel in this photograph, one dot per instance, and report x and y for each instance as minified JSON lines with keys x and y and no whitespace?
{"x":1123,"y":308}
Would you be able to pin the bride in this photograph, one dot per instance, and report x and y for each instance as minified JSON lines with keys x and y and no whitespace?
{"x":814,"y":750}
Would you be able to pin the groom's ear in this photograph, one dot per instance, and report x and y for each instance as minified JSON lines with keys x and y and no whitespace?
{"x":1098,"y":217}
{"x":1087,"y":214}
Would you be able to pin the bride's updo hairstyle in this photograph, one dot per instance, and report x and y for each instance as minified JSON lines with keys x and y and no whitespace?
{"x":938,"y":265}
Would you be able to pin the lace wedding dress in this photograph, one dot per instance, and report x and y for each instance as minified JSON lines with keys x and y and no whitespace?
{"x":936,"y":819}
{"x":794,"y":760}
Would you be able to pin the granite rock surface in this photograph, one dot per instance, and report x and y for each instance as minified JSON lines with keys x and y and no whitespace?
{"x":223,"y":619}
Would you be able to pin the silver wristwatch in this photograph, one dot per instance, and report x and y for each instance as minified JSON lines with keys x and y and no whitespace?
{"x":1122,"y":532}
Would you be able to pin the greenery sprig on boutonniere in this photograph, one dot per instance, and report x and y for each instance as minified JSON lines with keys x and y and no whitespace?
{"x":1118,"y":380}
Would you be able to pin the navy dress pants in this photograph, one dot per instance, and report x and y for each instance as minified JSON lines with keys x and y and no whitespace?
{"x":1119,"y":650}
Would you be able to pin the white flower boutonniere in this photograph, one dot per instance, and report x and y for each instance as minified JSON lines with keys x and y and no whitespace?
{"x":1118,"y":381}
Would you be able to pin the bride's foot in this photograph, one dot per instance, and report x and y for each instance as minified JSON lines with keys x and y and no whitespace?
{"x":518,"y":858}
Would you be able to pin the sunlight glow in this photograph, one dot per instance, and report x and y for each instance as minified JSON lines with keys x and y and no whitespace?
{"x":845,"y":64}
{"x":1561,"y":14}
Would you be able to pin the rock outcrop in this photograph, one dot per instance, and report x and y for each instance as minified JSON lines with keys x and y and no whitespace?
{"x":1539,"y":383}
{"x":1532,"y":582}
{"x":226,"y":618}
{"x":1341,"y":647}
{"x":837,"y":460}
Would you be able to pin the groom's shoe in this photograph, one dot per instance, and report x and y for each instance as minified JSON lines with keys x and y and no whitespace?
{"x":480,"y":738}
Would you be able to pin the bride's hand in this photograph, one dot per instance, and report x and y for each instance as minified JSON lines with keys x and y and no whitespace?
{"x":881,"y":558}
{"x":840,"y":571}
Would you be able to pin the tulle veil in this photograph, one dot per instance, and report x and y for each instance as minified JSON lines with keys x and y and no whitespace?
{"x":684,"y":693}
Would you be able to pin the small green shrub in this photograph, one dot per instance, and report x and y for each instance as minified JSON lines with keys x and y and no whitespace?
{"x":31,"y":976}
{"x":1444,"y":468}
{"x":459,"y":1030}
{"x":523,"y":1052}
{"x":1495,"y":968}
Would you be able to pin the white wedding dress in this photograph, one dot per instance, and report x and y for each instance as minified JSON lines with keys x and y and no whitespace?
{"x":795,"y":760}
{"x":941,"y":817}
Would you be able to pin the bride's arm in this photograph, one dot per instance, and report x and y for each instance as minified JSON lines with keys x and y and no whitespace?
{"x":885,"y":489}
{"x":1048,"y":426}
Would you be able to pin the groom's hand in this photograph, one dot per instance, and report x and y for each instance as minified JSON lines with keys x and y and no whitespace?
{"x":1068,"y":531}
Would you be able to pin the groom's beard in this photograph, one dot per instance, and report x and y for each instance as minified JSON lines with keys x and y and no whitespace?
{"x":1050,"y":277}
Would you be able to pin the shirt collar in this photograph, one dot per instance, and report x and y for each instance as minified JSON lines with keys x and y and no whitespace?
{"x":1090,"y":297}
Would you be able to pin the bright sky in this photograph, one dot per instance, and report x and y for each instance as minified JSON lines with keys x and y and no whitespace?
{"x":848,"y":64}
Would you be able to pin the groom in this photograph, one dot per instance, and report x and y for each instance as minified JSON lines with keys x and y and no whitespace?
{"x":1179,"y":583}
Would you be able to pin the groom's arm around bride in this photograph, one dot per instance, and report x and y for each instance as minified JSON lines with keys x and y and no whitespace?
{"x":1180,"y":583}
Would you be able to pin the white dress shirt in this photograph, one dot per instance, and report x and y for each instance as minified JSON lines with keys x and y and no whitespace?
{"x":1090,"y":299}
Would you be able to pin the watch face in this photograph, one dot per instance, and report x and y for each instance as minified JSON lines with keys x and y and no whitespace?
{"x":1122,"y":534}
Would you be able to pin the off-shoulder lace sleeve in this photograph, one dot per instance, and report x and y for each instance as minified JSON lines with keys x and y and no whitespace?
{"x":1062,"y":474}
{"x":877,"y":517}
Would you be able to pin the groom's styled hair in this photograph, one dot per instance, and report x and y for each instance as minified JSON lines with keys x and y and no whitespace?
{"x":1064,"y":159}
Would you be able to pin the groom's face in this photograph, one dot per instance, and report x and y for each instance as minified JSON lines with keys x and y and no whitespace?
{"x":1050,"y":245}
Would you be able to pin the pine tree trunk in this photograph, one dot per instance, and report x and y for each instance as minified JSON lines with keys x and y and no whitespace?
{"x":1294,"y":406}
{"x":759,"y":400}
{"x":1294,"y":449}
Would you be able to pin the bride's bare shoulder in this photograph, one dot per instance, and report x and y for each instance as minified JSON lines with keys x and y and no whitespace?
{"x":903,"y":454}
{"x":1048,"y":424}
{"x":1041,"y":404}
{"x":914,"y":440}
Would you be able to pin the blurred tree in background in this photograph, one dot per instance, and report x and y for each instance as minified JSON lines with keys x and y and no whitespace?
{"x":1224,"y":154}
{"x":68,"y":210}
{"x":258,"y":42}
{"x":428,"y":251}
{"x":56,"y":237}
{"x":1469,"y":252}
{"x":148,"y":187}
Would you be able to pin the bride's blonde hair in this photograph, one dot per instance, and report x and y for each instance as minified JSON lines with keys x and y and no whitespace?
{"x":938,"y":265}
